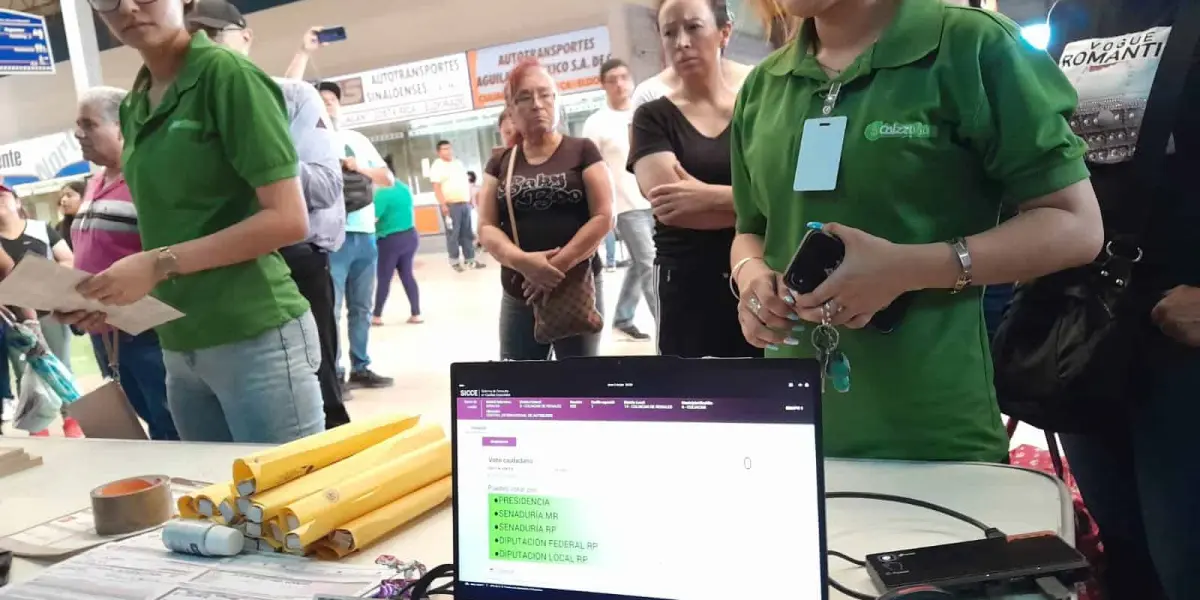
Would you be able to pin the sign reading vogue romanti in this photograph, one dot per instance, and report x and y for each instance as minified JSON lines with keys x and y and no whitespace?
{"x":573,"y":59}
{"x":425,"y":88}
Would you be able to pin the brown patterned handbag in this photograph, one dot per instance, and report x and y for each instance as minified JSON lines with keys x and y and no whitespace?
{"x":570,"y":309}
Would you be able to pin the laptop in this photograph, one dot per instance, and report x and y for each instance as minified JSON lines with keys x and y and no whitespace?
{"x":640,"y":477}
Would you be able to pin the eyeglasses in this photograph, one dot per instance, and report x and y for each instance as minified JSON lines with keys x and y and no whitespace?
{"x":527,"y":98}
{"x":105,"y":6}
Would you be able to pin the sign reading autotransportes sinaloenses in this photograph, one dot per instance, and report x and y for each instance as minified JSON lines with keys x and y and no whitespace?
{"x":24,"y":44}
{"x":573,"y":59}
{"x":425,"y":88}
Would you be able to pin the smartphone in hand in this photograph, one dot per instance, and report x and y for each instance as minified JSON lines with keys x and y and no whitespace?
{"x":816,"y":259}
{"x":330,"y":35}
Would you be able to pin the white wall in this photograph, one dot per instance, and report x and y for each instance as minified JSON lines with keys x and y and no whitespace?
{"x":381,"y":33}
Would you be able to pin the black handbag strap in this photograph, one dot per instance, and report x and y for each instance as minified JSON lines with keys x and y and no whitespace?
{"x":1162,"y":113}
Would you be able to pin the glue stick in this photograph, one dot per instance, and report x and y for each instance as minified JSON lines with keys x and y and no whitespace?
{"x":202,"y":538}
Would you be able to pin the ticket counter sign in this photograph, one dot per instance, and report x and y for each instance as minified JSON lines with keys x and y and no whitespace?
{"x":40,"y":159}
{"x":24,"y":44}
{"x":573,"y":59}
{"x":425,"y":88}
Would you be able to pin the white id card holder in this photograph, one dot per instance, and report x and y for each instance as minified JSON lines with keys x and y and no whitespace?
{"x":820,"y":156}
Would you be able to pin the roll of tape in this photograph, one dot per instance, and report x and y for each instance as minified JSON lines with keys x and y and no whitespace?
{"x":133,"y":504}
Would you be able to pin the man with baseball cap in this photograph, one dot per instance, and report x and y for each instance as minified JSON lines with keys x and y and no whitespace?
{"x":321,"y":179}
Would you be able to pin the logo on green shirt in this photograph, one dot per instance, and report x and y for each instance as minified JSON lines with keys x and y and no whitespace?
{"x":185,"y":125}
{"x":880,"y":130}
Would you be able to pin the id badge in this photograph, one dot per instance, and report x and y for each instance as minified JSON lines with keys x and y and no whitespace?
{"x":820,"y":154}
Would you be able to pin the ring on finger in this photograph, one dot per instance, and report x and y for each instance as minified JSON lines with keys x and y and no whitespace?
{"x":754,"y":304}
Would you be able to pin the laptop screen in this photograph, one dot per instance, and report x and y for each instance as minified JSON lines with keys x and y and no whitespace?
{"x":649,"y":477}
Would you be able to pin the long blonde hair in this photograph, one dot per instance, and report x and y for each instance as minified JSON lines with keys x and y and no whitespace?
{"x":778,"y":26}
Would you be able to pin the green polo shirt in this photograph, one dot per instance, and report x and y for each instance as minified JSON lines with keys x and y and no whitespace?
{"x":952,"y":118}
{"x":193,"y":164}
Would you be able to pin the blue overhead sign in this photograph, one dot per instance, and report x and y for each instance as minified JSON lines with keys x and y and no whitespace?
{"x":24,"y":44}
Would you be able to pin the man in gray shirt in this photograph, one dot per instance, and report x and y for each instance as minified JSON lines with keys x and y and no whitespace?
{"x":321,"y":180}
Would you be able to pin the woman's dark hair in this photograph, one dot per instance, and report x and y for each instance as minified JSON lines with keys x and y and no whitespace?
{"x":472,"y":177}
{"x":720,"y":9}
{"x":80,"y":187}
{"x":387,"y":160}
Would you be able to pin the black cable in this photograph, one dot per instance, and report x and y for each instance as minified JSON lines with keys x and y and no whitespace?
{"x":846,"y":557}
{"x":849,"y":592}
{"x":989,"y":531}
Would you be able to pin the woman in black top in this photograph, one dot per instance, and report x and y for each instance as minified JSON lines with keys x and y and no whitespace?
{"x":680,"y":155}
{"x":69,"y":201}
{"x":562,"y":195}
{"x":1139,"y":480}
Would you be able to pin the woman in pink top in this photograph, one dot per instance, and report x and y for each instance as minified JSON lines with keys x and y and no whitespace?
{"x":104,"y":231}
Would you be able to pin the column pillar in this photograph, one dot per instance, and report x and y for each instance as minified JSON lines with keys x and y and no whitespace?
{"x":80,"y":27}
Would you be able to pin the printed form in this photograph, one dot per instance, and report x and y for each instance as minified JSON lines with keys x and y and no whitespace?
{"x":45,"y":285}
{"x":140,"y":568}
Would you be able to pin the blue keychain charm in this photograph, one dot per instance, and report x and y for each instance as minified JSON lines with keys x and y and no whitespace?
{"x":839,"y":371}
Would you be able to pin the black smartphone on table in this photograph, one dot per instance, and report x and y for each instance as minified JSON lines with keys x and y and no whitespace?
{"x":816,"y":259}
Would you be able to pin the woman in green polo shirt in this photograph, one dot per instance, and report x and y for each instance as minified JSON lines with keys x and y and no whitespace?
{"x":923,"y":122}
{"x":212,"y":169}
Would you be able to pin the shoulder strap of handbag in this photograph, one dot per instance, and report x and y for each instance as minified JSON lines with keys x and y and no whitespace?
{"x":512,"y":214}
{"x":1162,"y":110}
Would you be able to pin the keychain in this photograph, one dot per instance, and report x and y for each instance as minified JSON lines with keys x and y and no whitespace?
{"x":835,"y":366}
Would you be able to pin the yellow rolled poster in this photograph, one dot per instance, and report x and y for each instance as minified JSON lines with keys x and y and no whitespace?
{"x":260,"y":508}
{"x":264,"y":470}
{"x":187,"y":507}
{"x":369,"y":528}
{"x":325,"y":550}
{"x":209,"y":499}
{"x":325,"y":511}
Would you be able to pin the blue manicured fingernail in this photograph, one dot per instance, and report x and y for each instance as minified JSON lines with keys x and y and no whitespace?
{"x":794,"y":316}
{"x":772,"y":347}
{"x":791,"y":341}
{"x":816,"y":225}
{"x":798,"y":329}
{"x":789,"y":300}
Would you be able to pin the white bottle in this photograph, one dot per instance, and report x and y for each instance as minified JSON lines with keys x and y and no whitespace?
{"x":203,"y":538}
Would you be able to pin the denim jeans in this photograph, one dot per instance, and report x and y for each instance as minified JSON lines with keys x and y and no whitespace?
{"x":353,"y":269}
{"x":460,"y":236}
{"x":261,"y":390}
{"x":516,"y":333}
{"x":637,"y":231}
{"x":610,"y":250}
{"x":1140,"y":484}
{"x":143,"y":378}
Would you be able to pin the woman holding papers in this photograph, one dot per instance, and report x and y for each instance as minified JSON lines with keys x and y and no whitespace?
{"x":241,"y":364}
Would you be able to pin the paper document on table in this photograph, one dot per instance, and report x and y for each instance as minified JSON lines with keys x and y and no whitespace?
{"x":41,"y":284}
{"x":74,"y":532}
{"x":140,"y":568}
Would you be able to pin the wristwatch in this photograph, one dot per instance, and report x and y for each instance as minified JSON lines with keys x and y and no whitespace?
{"x":959,"y":245}
{"x":166,"y":264}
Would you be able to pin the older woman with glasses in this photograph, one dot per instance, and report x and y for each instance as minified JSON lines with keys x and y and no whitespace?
{"x":241,"y":364}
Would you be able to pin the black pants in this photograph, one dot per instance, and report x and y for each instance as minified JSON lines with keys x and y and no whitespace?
{"x":310,"y":271}
{"x":697,"y":315}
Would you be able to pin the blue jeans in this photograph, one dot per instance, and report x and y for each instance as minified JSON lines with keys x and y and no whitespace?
{"x":353,"y":269}
{"x":262,"y":390}
{"x":610,"y":250}
{"x":637,"y":231}
{"x":460,"y":235}
{"x":143,"y":378}
{"x":1140,"y":483}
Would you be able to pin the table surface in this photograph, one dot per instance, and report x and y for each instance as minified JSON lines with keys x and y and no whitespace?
{"x":1011,"y":499}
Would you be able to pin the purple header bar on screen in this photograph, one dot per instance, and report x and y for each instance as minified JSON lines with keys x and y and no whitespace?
{"x":698,"y":410}
{"x":499,"y":441}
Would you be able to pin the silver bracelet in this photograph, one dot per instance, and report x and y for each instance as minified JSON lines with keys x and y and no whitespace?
{"x":737,"y":268}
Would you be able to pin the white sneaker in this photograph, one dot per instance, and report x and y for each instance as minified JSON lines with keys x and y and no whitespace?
{"x":9,"y":409}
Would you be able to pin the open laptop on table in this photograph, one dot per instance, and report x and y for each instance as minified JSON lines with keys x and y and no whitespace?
{"x":643,"y":477}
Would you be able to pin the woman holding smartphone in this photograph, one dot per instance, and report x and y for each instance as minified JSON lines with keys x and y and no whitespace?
{"x":922,"y":122}
{"x":680,"y":155}
{"x":241,"y":363}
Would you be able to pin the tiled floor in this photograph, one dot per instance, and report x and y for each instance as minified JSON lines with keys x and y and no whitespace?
{"x":460,"y":311}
